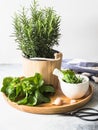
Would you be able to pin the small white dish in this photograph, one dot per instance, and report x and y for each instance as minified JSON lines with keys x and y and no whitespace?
{"x":75,"y":91}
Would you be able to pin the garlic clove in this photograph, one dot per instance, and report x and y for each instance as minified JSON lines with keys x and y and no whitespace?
{"x":58,"y":101}
{"x":73,"y":101}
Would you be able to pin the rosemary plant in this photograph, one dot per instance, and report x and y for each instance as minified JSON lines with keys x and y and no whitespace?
{"x":36,"y":32}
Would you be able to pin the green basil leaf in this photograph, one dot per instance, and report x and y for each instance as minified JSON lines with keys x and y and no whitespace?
{"x":6,"y":82}
{"x":47,"y":88}
{"x":37,"y":79}
{"x":70,"y":76}
{"x":41,"y":98}
{"x":22,"y":101}
{"x":32,"y":100}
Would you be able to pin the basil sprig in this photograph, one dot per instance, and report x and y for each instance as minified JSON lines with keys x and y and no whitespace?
{"x":27,"y":90}
{"x":69,"y":76}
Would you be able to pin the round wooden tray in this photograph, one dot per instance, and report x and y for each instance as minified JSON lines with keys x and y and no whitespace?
{"x":49,"y":108}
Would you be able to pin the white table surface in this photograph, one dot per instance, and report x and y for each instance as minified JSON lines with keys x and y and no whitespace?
{"x":13,"y":119}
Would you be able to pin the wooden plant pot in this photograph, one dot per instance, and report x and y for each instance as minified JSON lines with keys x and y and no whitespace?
{"x":44,"y":66}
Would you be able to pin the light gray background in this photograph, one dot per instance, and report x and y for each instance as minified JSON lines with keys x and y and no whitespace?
{"x":79,"y":28}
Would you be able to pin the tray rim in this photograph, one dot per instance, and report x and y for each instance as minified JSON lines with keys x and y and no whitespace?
{"x":54,"y":109}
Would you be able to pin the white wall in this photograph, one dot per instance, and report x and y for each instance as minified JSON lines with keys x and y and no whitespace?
{"x":79,"y":28}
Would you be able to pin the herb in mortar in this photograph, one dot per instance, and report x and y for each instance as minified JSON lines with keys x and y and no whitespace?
{"x":69,"y":76}
{"x":27,"y":91}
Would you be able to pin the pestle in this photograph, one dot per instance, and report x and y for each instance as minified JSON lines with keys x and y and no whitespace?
{"x":58,"y":73}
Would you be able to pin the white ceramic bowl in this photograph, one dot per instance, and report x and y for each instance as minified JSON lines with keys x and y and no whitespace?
{"x":75,"y":91}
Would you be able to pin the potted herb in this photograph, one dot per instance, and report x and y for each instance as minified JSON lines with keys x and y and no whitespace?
{"x":36,"y":33}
